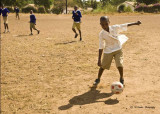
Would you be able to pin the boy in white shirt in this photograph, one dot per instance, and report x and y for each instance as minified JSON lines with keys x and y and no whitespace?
{"x":110,"y":41}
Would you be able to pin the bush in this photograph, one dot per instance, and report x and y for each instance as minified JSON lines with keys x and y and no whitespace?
{"x":121,"y":8}
{"x":108,"y":8}
{"x":10,"y":9}
{"x":41,"y":9}
{"x":156,"y":7}
{"x":127,"y":9}
{"x":27,"y":9}
{"x":57,"y":10}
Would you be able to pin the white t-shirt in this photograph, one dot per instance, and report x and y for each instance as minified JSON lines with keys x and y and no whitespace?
{"x":112,"y":41}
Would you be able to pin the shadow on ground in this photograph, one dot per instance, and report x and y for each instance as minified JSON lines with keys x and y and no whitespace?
{"x":21,"y":35}
{"x":89,"y":97}
{"x":65,"y":43}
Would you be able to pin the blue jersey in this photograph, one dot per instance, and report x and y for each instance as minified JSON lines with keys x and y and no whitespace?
{"x":16,"y":10}
{"x":32,"y":19}
{"x":5,"y":12}
{"x":76,"y":16}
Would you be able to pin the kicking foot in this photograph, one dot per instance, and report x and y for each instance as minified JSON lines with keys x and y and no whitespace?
{"x":76,"y":35}
{"x":122,"y":80}
{"x":96,"y":82}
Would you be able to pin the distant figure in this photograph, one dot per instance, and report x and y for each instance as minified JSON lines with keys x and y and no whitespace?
{"x":33,"y":22}
{"x":4,"y":12}
{"x":16,"y":9}
{"x":110,"y":41}
{"x":77,"y":21}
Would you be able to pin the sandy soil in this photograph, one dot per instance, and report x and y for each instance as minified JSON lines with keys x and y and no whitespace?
{"x":52,"y":72}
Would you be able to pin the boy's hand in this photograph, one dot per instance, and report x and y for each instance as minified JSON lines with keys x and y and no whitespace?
{"x":138,"y":23}
{"x":99,"y":63}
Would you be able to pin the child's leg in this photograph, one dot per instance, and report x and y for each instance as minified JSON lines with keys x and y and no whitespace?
{"x":74,"y":30}
{"x":18,"y":16}
{"x":36,"y":29}
{"x":120,"y":69}
{"x":7,"y":26}
{"x":100,"y":72}
{"x":80,"y":34}
{"x":31,"y":29}
{"x":119,"y":63}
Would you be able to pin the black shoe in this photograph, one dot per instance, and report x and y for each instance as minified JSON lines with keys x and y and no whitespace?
{"x":38,"y":31}
{"x":76,"y":35}
{"x":122,"y":81}
{"x":80,"y":39}
{"x":96,"y":82}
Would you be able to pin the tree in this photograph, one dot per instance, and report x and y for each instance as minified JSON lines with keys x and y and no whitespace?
{"x":45,"y":3}
{"x":148,"y":1}
{"x":19,"y":3}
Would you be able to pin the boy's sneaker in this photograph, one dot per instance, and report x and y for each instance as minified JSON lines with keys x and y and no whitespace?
{"x":38,"y":31}
{"x":96,"y":82}
{"x":122,"y":80}
{"x":80,"y":39}
{"x":76,"y":35}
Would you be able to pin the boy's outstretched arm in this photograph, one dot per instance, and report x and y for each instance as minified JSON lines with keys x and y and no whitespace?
{"x":136,"y":23}
{"x":99,"y":57}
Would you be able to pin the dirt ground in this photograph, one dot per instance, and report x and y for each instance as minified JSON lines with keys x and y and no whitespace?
{"x":52,"y":72}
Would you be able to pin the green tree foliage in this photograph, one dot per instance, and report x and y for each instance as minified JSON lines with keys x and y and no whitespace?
{"x":148,"y":1}
{"x":45,"y":3}
{"x":19,"y":3}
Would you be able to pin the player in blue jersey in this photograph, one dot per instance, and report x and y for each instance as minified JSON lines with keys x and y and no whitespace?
{"x":16,"y":9}
{"x":33,"y":22}
{"x":77,"y":21}
{"x":4,"y":12}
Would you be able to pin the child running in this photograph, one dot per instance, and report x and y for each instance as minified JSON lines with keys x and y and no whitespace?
{"x":33,"y":22}
{"x":4,"y":11}
{"x":110,"y":44}
{"x":77,"y":21}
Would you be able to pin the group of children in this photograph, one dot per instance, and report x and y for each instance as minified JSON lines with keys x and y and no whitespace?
{"x":110,"y":41}
{"x":4,"y":12}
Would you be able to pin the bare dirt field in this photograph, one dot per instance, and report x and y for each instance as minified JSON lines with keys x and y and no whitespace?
{"x":52,"y":72}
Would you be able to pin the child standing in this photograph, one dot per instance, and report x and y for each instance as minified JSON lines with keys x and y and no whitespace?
{"x":110,"y":44}
{"x":33,"y":22}
{"x":4,"y":12}
{"x":16,"y":9}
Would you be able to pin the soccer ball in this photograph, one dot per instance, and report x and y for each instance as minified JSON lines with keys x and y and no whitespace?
{"x":117,"y":87}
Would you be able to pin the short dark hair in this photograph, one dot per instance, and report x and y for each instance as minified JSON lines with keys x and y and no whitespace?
{"x":104,"y":18}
